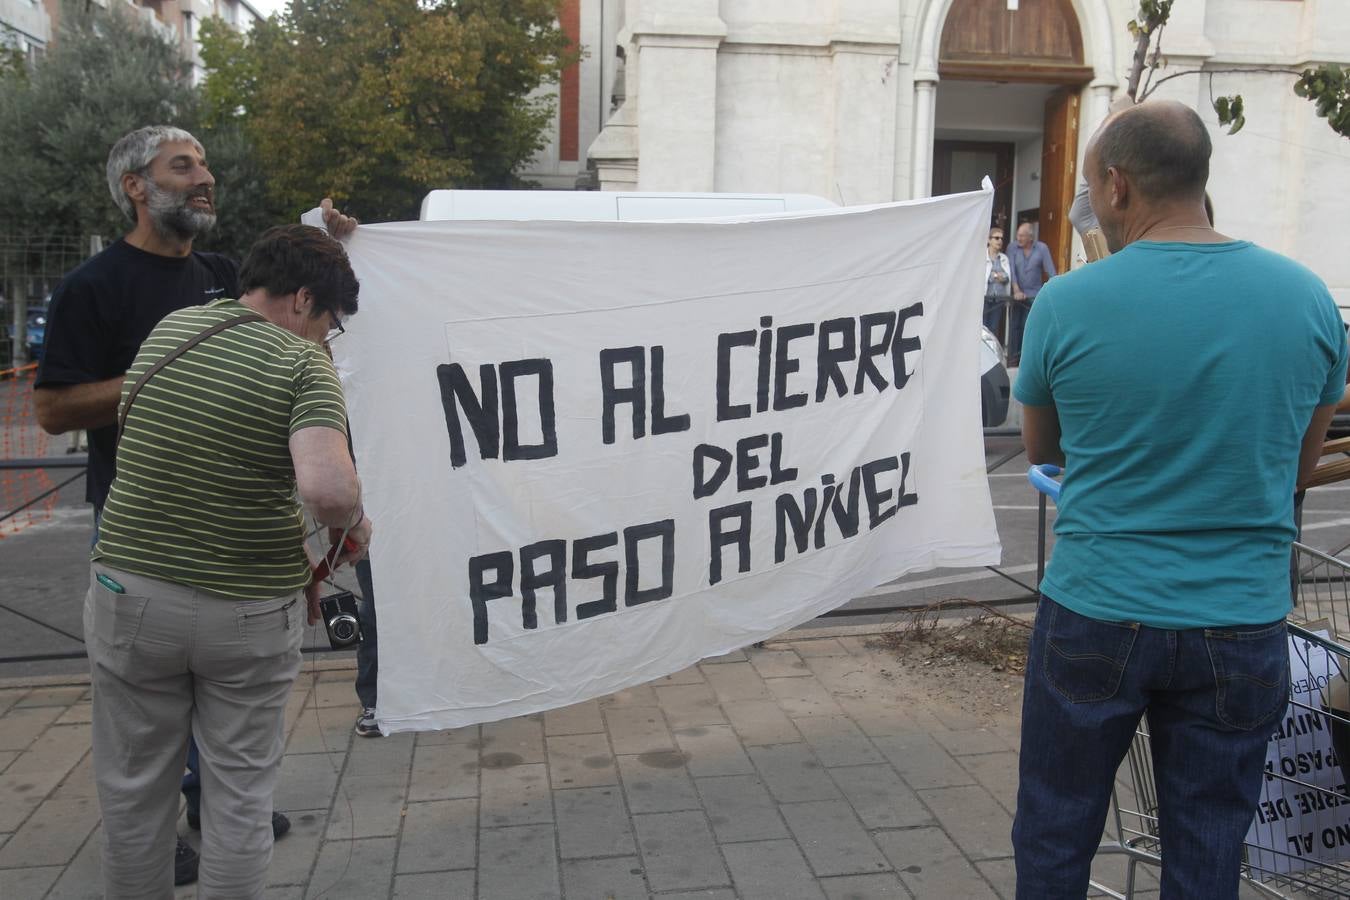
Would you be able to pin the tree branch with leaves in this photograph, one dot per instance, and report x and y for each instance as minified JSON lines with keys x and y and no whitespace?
{"x":1327,"y":86}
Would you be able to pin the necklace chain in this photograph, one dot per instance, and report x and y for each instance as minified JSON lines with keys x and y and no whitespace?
{"x":1148,"y":234}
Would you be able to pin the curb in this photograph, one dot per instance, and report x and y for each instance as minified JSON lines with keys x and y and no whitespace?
{"x":83,"y":680}
{"x":792,"y":635}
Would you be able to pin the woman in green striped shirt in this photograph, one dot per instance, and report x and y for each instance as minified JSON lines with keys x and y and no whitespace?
{"x":200,"y":577}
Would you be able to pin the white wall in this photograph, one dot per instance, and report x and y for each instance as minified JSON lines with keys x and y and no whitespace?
{"x":807,"y":98}
{"x":819,"y":96}
{"x":866,"y":83}
{"x":1282,"y":180}
{"x":773,"y":113}
{"x":1026,"y":180}
{"x":984,"y":110}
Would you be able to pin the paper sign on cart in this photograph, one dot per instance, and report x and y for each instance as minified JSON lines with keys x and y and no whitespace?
{"x":597,"y":452}
{"x":1303,"y":816}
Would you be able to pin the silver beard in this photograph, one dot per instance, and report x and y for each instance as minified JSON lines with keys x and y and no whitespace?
{"x":171,"y":214}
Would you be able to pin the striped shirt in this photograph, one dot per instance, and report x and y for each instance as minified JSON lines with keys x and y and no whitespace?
{"x":204,"y":493}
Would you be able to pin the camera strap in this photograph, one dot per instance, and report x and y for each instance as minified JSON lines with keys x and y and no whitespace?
{"x":174,"y":354}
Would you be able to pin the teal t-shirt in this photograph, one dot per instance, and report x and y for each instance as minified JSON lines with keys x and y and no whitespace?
{"x":1184,"y":377}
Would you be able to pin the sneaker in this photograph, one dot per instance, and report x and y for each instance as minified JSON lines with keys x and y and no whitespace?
{"x":280,"y":825}
{"x":366,"y":726}
{"x":185,"y":861}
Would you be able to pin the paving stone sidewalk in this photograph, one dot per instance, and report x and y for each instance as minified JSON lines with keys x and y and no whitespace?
{"x":798,"y":770}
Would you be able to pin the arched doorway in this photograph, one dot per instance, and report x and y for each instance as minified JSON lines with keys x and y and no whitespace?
{"x":1008,"y":96}
{"x":1005,"y":88}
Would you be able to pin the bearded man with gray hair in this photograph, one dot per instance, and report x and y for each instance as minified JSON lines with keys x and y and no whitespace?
{"x":103,"y":310}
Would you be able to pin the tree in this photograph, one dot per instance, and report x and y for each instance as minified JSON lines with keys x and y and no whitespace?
{"x":243,"y":204}
{"x":1328,"y":86}
{"x":375,"y":102}
{"x":104,"y":75}
{"x":108,"y":73}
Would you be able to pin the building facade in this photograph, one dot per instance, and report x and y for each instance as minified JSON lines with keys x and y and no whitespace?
{"x":26,"y":26}
{"x":585,"y":98}
{"x":865,"y":101}
{"x":180,"y":20}
{"x":30,"y":25}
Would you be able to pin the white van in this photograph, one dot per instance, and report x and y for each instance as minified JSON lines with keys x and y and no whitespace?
{"x":607,"y":206}
{"x":639,"y":206}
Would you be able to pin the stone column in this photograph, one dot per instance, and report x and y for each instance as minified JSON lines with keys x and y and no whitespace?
{"x":925,"y":107}
{"x":667,"y":142}
{"x":675,"y":42}
{"x":614,"y":152}
{"x":865,"y":52}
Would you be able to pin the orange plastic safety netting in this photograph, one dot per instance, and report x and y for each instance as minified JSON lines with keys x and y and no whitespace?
{"x":22,"y":438}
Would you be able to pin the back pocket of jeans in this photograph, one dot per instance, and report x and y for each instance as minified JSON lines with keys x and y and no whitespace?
{"x":1084,"y":657}
{"x":1251,"y":673}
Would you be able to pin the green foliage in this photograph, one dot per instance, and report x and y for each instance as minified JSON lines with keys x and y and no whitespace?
{"x":375,"y":102}
{"x":108,"y":73}
{"x":12,"y":65}
{"x":1328,"y":87}
{"x":233,"y":71}
{"x":104,"y":75}
{"x":1154,"y":13}
{"x":243,"y":210}
{"x":1229,"y":111}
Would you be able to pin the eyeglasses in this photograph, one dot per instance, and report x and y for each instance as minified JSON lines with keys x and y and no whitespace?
{"x":336,"y":331}
{"x":996,"y":237}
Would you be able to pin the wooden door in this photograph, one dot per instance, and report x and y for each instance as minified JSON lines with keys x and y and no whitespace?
{"x":959,"y":166}
{"x":1059,"y":173}
{"x":1040,"y":41}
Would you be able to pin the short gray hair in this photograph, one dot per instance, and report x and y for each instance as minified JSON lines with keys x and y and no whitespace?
{"x":133,"y":154}
{"x":1163,"y":145}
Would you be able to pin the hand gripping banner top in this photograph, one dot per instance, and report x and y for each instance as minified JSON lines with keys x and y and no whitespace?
{"x":597,"y":452}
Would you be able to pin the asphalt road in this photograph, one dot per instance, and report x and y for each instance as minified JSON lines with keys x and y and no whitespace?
{"x":44,"y":566}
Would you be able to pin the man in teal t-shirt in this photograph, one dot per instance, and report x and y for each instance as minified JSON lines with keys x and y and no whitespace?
{"x":1185,"y":383}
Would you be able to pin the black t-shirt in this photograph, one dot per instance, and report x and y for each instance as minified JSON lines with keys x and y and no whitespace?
{"x":102,"y":311}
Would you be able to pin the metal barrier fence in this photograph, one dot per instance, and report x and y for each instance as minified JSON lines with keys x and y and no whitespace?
{"x":24,"y":480}
{"x":30,"y":267}
{"x":76,"y":464}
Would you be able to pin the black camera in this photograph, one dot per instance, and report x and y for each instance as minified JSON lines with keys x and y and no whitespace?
{"x":341,"y":619}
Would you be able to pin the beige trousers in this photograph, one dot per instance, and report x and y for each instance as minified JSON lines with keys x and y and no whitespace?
{"x":166,"y":659}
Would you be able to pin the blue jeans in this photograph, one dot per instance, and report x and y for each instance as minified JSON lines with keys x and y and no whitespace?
{"x":368,"y":651}
{"x":1212,"y":695}
{"x":996,"y":315}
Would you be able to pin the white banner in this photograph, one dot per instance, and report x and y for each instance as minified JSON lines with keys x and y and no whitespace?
{"x":598,"y":452}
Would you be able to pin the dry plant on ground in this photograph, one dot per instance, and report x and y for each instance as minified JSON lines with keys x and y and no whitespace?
{"x":990,"y":638}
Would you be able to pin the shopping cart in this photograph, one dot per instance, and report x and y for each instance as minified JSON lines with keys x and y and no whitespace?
{"x":1299,"y":842}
